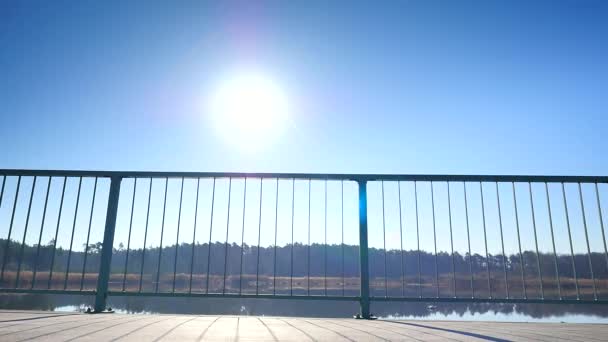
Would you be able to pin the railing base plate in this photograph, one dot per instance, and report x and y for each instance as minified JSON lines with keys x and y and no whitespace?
{"x":107,"y":311}
{"x":371,"y":317}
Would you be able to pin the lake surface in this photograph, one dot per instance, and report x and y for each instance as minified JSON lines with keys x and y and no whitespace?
{"x":413,"y":311}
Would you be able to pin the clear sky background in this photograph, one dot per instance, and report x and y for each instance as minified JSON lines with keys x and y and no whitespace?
{"x":468,"y":87}
{"x":482,"y":87}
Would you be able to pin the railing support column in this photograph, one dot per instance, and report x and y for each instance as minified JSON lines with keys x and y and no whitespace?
{"x":108,"y":243}
{"x":363,"y":250}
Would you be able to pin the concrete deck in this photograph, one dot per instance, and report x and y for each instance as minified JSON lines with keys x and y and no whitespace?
{"x":49,"y":326}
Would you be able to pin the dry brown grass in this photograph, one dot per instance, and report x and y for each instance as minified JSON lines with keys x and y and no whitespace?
{"x":266,"y":284}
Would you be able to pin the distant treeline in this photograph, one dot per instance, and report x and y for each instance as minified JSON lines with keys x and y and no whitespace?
{"x":316,"y":260}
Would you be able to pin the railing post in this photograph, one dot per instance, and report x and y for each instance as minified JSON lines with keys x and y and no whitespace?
{"x":108,"y":242}
{"x":363,"y":250}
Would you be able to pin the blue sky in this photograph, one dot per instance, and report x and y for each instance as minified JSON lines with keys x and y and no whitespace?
{"x":474,"y":87}
{"x":405,"y":87}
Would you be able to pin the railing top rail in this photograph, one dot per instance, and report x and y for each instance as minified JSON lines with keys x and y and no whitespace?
{"x":314,"y":176}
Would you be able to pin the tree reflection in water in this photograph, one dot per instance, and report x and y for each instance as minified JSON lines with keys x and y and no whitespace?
{"x":211,"y":306}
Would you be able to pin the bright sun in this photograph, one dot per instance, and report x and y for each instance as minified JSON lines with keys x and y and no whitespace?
{"x":249,"y":110}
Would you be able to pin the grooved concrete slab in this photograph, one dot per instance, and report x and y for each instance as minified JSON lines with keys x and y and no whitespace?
{"x":49,"y":326}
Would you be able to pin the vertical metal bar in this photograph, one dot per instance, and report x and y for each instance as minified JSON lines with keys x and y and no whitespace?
{"x":418,"y":240}
{"x":293,"y":194}
{"x":243,"y":235}
{"x":162,"y":231}
{"x":143,"y":253}
{"x":10,"y":230}
{"x":86,"y":247}
{"x":257,"y":267}
{"x":227,"y":230}
{"x":27,"y":221}
{"x":599,"y":211}
{"x":67,"y":272}
{"x":108,"y":242}
{"x":485,"y":239}
{"x":325,"y":245}
{"x":502,"y":242}
{"x":210,"y":231}
{"x":48,"y":286}
{"x":401,"y":241}
{"x":198,"y":183}
{"x":384,"y":242}
{"x":580,"y":196}
{"x":276,"y":221}
{"x":342,"y":223}
{"x":46,"y":201}
{"x":124,"y":275}
{"x":521,"y":257}
{"x":540,"y":273}
{"x":363,"y":250}
{"x":308,"y":246}
{"x":451,"y":240}
{"x":578,"y":294}
{"x":1,"y":198}
{"x":2,"y":190}
{"x":435,"y":240}
{"x":179,"y":220}
{"x":559,"y":286}
{"x":466,"y":213}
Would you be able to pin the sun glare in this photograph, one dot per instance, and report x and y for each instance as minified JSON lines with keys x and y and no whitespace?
{"x":249,"y":110}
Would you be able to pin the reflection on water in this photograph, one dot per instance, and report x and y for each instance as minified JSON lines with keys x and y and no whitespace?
{"x":513,"y":316}
{"x":415,"y":311}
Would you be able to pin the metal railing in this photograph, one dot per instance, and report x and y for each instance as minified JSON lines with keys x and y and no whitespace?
{"x":365,"y":238}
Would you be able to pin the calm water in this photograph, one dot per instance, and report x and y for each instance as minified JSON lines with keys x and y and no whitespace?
{"x":415,"y":311}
